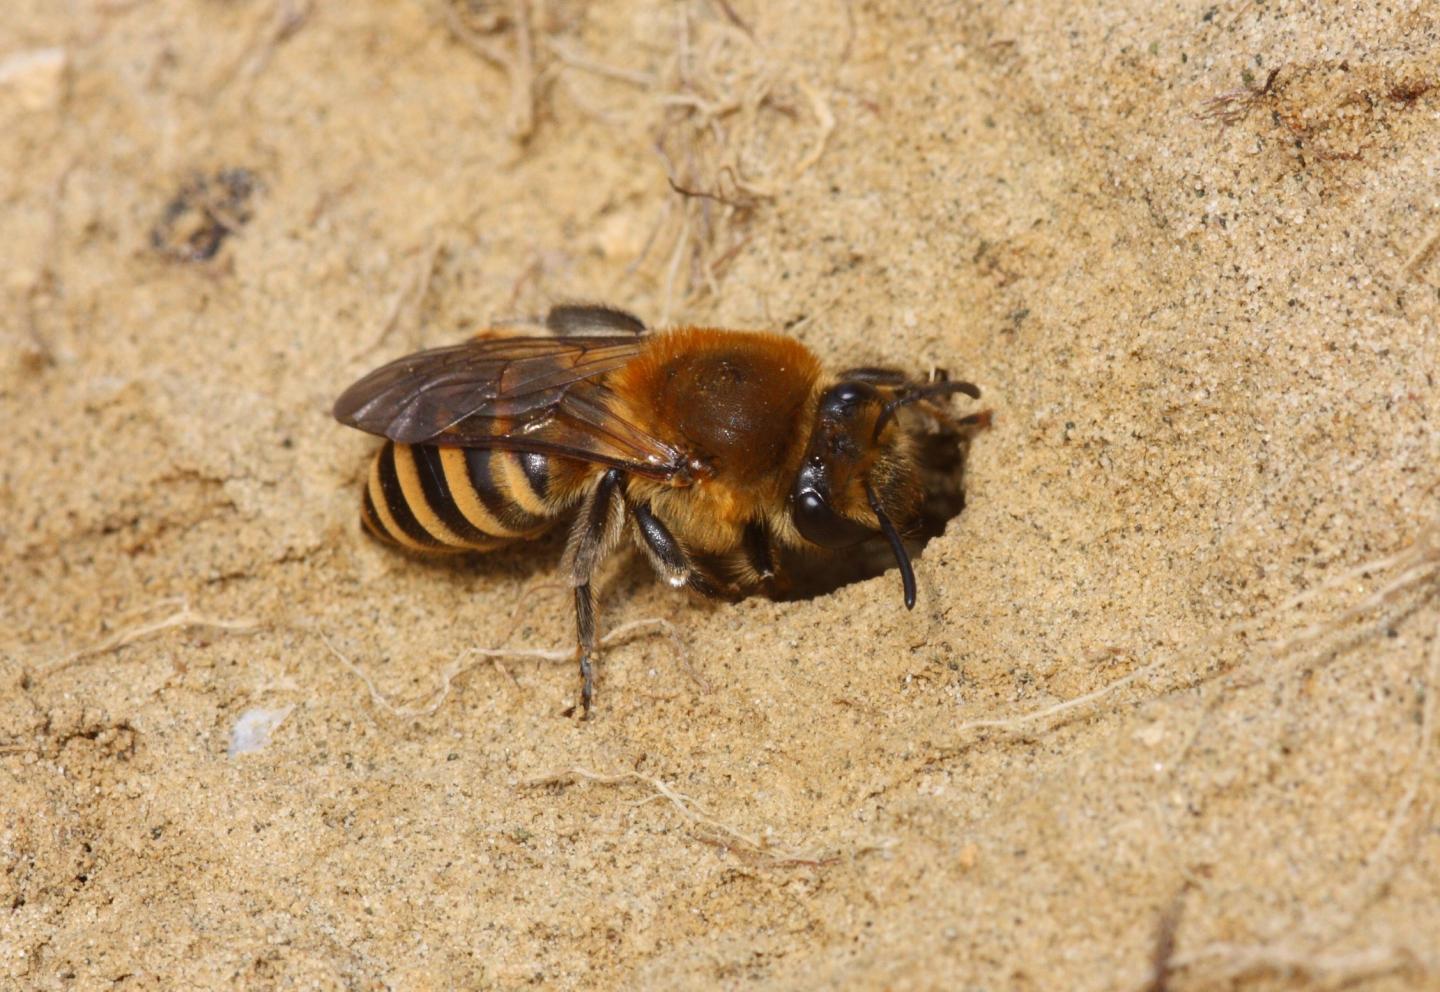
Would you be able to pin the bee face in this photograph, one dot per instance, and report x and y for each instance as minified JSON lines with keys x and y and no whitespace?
{"x":830,"y":482}
{"x":859,"y":477}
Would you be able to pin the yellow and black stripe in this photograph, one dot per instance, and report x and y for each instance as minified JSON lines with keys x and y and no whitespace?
{"x":441,"y":499}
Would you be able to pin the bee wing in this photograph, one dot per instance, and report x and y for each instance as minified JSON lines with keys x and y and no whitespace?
{"x":527,"y":394}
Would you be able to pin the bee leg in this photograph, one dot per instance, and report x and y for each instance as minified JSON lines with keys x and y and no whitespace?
{"x":596,"y":527}
{"x":668,"y":557}
{"x":580,"y":319}
{"x":759,"y":554}
{"x":585,"y":634}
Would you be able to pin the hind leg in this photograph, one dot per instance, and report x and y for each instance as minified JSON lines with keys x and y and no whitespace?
{"x":580,"y":320}
{"x":596,"y":527}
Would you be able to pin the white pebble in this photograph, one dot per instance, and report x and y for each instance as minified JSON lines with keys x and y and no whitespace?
{"x":252,"y":731}
{"x":34,"y":79}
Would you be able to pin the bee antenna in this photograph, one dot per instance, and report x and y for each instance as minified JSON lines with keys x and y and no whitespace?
{"x":902,"y":557}
{"x":914,"y":394}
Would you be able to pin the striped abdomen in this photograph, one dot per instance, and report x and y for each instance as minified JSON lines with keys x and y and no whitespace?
{"x":432,"y":499}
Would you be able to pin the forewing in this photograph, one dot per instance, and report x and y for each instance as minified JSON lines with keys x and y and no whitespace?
{"x":541,"y":394}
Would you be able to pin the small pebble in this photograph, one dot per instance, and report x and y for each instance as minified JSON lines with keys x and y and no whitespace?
{"x":34,"y":79}
{"x":252,"y":731}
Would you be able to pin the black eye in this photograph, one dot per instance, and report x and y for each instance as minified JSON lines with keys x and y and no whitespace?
{"x":843,"y":400}
{"x":821,"y":525}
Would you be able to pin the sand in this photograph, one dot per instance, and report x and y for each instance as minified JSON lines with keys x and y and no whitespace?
{"x":1163,"y":717}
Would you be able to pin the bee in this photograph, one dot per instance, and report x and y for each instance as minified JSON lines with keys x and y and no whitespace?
{"x":715,"y":450}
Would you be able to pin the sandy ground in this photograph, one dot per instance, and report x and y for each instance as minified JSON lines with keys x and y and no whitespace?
{"x":1164,"y":716}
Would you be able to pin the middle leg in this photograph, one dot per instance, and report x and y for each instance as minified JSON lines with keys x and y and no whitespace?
{"x":671,"y":561}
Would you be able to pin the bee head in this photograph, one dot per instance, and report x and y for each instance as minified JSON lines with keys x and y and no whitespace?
{"x":859,"y":478}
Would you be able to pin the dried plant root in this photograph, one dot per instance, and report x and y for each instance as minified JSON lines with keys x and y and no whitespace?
{"x":709,"y":829}
{"x":471,"y":657}
{"x":183,"y":618}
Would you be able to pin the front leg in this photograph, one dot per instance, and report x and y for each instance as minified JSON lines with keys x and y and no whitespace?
{"x":760,"y":555}
{"x":597,"y":526}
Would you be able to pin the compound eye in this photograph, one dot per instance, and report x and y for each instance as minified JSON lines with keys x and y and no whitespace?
{"x":821,"y":525}
{"x":843,"y":399}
